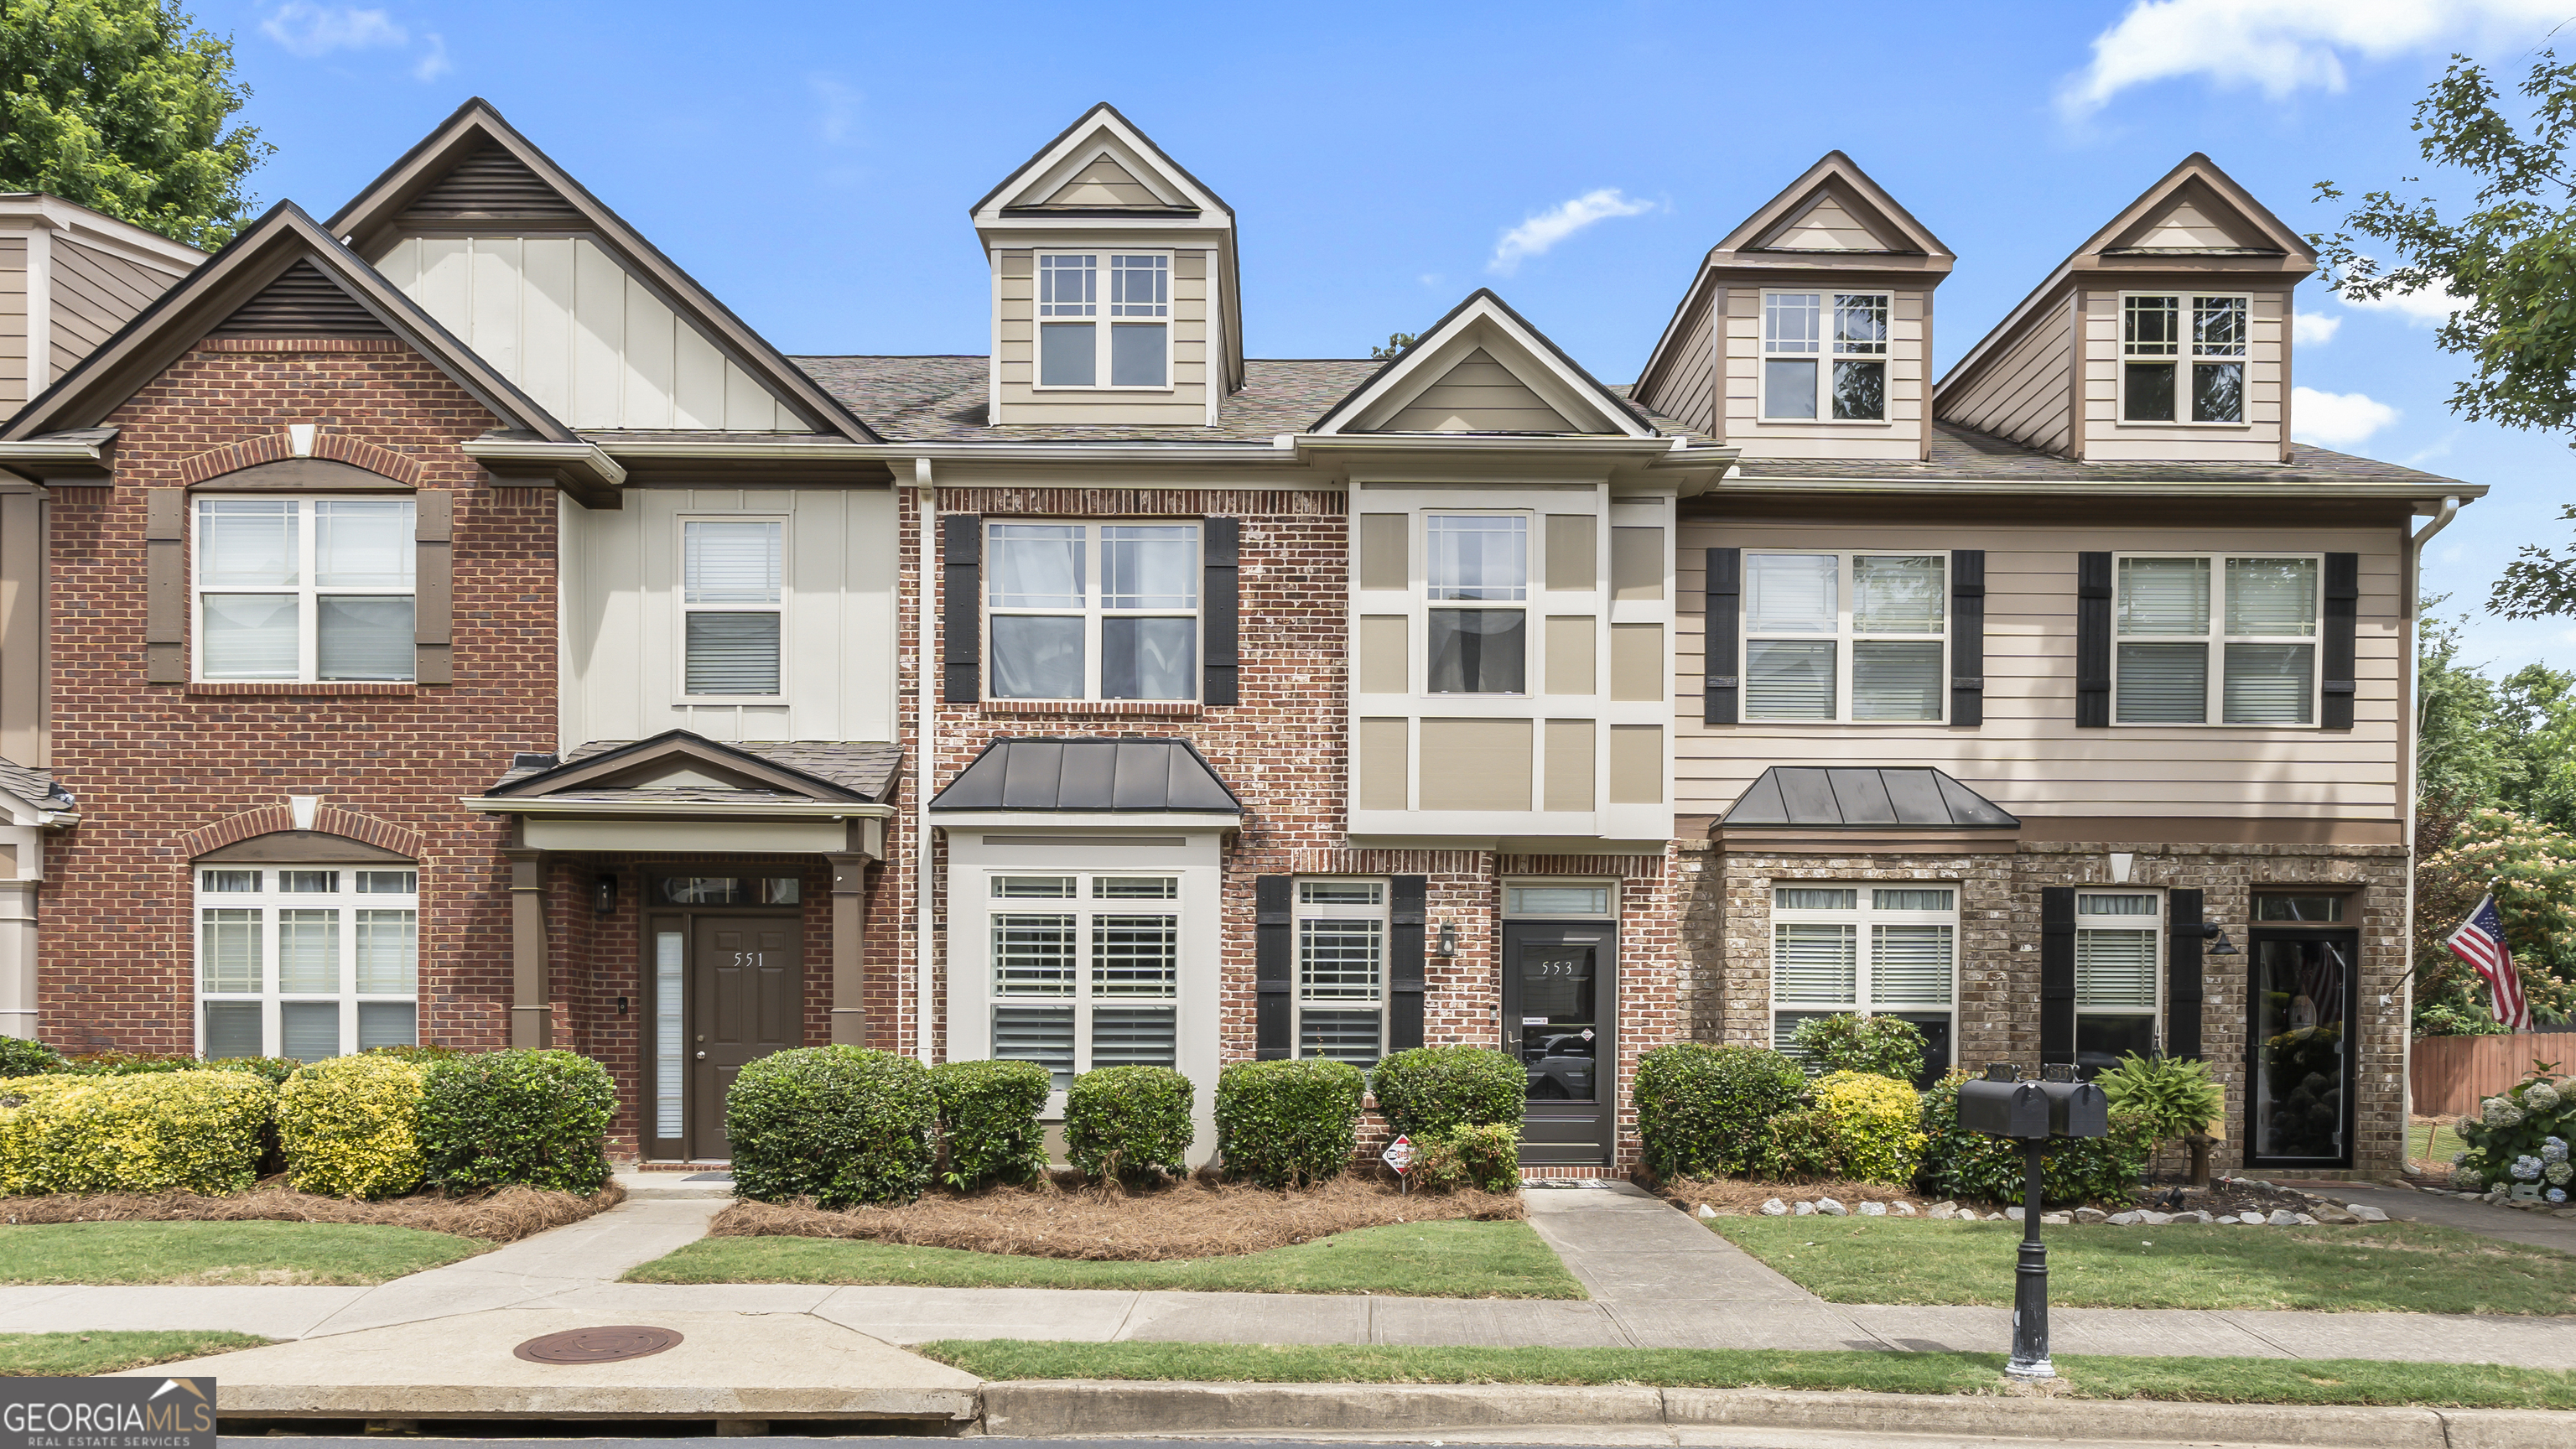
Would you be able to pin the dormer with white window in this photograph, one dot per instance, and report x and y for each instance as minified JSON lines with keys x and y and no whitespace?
{"x":2164,"y":338}
{"x":1808,"y":331}
{"x":1114,"y":287}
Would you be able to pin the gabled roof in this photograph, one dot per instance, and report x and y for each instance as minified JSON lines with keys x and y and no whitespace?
{"x":283,"y":271}
{"x":1480,"y":334}
{"x":681,"y":767}
{"x":1090,"y":776}
{"x":1869,"y":797}
{"x":1041,"y":183}
{"x":475,"y":169}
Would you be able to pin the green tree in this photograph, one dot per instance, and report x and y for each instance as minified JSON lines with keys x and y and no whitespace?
{"x":2460,"y":758}
{"x":1395,"y":342}
{"x":122,"y":106}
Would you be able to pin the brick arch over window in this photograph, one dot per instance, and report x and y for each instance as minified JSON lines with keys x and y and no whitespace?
{"x":328,"y":820}
{"x":277,"y":448}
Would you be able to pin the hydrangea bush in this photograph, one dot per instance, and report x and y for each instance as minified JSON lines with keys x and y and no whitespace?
{"x":2520,"y":1136}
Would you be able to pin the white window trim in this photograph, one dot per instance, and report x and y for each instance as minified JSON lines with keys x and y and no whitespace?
{"x":1534,"y":593}
{"x":681,"y":608}
{"x":1093,"y":611}
{"x":307,"y":592}
{"x":1861,"y":918}
{"x":2182,"y":358}
{"x":1102,"y":321}
{"x":2214,"y":695}
{"x":1844,"y":637}
{"x":1823,"y":357}
{"x":2153,"y":924}
{"x":1301,"y":911}
{"x":268,"y":901}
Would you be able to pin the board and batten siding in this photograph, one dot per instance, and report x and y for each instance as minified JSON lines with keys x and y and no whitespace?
{"x":1183,"y":405}
{"x":1687,"y":391}
{"x":2257,"y":439}
{"x":13,"y":324}
{"x":622,"y":632}
{"x":94,"y":295}
{"x":2029,"y":756}
{"x":1908,"y":384}
{"x":2025,"y":394}
{"x":592,"y":344}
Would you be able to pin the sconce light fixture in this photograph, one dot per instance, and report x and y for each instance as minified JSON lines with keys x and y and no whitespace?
{"x":2218,"y":934}
{"x":603,"y":893}
{"x":1448,"y":940}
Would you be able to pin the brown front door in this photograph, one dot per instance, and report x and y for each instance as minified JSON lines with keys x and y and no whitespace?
{"x":747,"y":990}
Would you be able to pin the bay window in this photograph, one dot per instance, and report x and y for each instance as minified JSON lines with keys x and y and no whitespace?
{"x":1341,"y":928}
{"x":2216,"y":637}
{"x":1093,"y":611}
{"x":1086,"y":970}
{"x":733,"y":577}
{"x":1850,"y":637}
{"x":1111,"y":330}
{"x":1866,"y":950}
{"x":1824,"y":356}
{"x":2117,"y":976}
{"x":306,"y":962}
{"x":304,"y":589}
{"x":1477,"y":566}
{"x":2182,"y":357}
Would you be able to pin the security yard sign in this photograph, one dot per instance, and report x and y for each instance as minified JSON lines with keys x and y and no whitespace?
{"x":149,"y":1412}
{"x":1398,"y":1154}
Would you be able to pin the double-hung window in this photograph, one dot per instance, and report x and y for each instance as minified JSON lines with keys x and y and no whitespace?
{"x":733,"y":582}
{"x":1104,"y":319}
{"x":1824,"y":356}
{"x":1341,"y":930}
{"x":1477,"y":565}
{"x":306,"y":962}
{"x":2230,"y":638}
{"x":1086,"y":970}
{"x":304,"y":588}
{"x":1866,"y":950}
{"x":1857,"y":637}
{"x":2182,"y":357}
{"x":1093,"y":611}
{"x":2117,"y":953}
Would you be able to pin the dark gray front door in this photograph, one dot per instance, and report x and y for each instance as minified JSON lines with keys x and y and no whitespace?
{"x":1559,"y":1003}
{"x":750,"y":977}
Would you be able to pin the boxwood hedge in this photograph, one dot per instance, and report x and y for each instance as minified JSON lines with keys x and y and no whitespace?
{"x":842,"y":1125}
{"x":1288,"y":1123}
{"x":1129,"y":1122}
{"x":1428,"y":1090}
{"x":988,"y":1121}
{"x":532,"y":1118}
{"x":1705,"y":1111}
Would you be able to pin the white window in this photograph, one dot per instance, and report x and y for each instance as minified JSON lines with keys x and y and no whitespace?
{"x":304,"y":588}
{"x":1477,"y":569}
{"x":1092,"y":611}
{"x":1341,"y":928}
{"x":306,"y":962}
{"x":2253,"y":618}
{"x":733,"y":581}
{"x":2117,"y":980}
{"x":2168,"y":371}
{"x":1086,"y":969}
{"x":1104,"y":319}
{"x":1824,"y":356}
{"x":1866,"y":950}
{"x":1859,"y":637}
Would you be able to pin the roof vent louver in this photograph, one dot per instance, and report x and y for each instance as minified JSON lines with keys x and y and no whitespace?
{"x":302,"y":302}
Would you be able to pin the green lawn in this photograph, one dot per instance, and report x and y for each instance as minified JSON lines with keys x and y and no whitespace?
{"x":2433,"y":1144}
{"x":2209,"y":1380}
{"x":1432,"y":1260}
{"x":254,"y":1253}
{"x":2382,"y":1268}
{"x":63,"y":1354}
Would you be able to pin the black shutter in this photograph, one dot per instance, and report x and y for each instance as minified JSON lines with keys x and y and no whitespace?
{"x":1718,"y":647}
{"x":1220,"y":598}
{"x":2056,"y":974}
{"x":2093,"y":640}
{"x":1273,"y":966}
{"x":961,"y":627}
{"x":2342,"y":617}
{"x":1404,"y":963}
{"x":1968,"y":636}
{"x":2183,"y":914}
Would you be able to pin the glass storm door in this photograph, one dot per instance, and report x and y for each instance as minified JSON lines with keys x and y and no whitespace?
{"x":1557,"y":1013}
{"x":2298,"y":1103}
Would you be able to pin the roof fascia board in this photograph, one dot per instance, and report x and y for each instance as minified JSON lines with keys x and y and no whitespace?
{"x":1084,"y":821}
{"x":1102,"y":114}
{"x":1146,"y":168}
{"x":1483,"y":305}
{"x":2195,"y":167}
{"x":710,"y":810}
{"x":667,"y":746}
{"x":2392,"y":491}
{"x":39,"y":209}
{"x":1792,"y":199}
{"x":1425,"y":370}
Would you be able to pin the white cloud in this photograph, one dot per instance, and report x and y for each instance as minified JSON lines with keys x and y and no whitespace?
{"x":2336,"y":419}
{"x":2425,"y":308}
{"x":837,"y":103}
{"x":2282,"y":46}
{"x":433,"y":62}
{"x":2314,"y":328}
{"x":318,"y":30}
{"x":1535,"y":236}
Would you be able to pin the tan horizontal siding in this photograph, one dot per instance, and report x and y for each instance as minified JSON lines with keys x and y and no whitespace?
{"x":93,"y":295}
{"x":2023,"y":395}
{"x":1687,"y":389}
{"x":2267,"y":354}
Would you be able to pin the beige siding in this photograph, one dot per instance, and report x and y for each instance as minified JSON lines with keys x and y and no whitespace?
{"x":2029,"y":757}
{"x":1570,"y":551}
{"x":1383,"y":561}
{"x":1569,"y":648}
{"x":2025,"y":393}
{"x":2258,"y":439}
{"x":1382,"y":751}
{"x":95,"y":294}
{"x":1636,"y":764}
{"x":1184,"y":404}
{"x":1825,"y":227}
{"x":1567,"y":783}
{"x":1476,"y":764}
{"x":1479,"y":395}
{"x":1637,"y":661}
{"x":1687,"y":388}
{"x":13,"y":323}
{"x":1908,"y":386}
{"x":1382,"y":662}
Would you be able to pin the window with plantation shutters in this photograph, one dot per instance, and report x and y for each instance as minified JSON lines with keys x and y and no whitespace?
{"x":2118,"y":974}
{"x":1845,"y":637}
{"x":731,"y":596}
{"x":2215,"y":639}
{"x":1086,"y":969}
{"x":1865,"y":950}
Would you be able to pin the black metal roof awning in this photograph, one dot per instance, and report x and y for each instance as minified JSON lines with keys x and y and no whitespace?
{"x":1090,"y":776}
{"x":1872,"y":797}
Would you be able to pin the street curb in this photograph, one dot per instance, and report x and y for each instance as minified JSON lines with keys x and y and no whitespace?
{"x":1078,"y":1407}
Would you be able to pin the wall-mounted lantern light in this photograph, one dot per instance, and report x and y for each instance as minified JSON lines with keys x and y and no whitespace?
{"x":1448,"y":946}
{"x":603,"y":893}
{"x":2218,"y":934}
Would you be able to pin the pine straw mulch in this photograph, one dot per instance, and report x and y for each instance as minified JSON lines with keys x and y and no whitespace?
{"x":503,"y":1215}
{"x":1194,"y":1218}
{"x":1740,"y":1197}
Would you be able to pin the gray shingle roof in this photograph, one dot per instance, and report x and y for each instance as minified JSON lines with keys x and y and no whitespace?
{"x":943,"y":400}
{"x":865,"y":767}
{"x":36,"y":787}
{"x":1960,"y":454}
{"x":1154,"y":776}
{"x":1836,"y":797}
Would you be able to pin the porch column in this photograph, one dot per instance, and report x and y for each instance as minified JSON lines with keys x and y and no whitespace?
{"x":531,"y":999}
{"x":18,"y":1003}
{"x":849,"y":943}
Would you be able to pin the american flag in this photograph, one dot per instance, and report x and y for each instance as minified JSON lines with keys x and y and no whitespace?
{"x":2480,"y":942}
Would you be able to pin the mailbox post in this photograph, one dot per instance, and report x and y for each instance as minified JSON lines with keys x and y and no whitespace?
{"x":2003,"y":1104}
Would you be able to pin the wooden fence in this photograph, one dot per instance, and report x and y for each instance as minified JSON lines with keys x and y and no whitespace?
{"x":2452,"y":1074}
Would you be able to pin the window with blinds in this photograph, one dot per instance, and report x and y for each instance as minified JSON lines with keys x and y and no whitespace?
{"x":1856,"y":638}
{"x":2119,"y":976}
{"x":305,"y":588}
{"x":1341,"y":936}
{"x":306,"y":962}
{"x":733,"y":586}
{"x":1086,"y":970}
{"x":1865,"y":950}
{"x":2223,"y":638}
{"x":1092,"y":611}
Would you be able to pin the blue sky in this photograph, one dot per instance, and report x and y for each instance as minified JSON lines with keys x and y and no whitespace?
{"x":813,"y":164}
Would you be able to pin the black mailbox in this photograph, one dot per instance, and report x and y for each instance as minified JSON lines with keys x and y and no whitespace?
{"x":2000,"y":1105}
{"x":2076,"y":1109}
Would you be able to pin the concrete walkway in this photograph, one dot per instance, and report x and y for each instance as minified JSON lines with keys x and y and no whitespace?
{"x":2540,"y":1230}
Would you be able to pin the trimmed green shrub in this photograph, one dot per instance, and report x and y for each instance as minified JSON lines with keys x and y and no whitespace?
{"x":1427,"y":1090}
{"x":162,"y":1132}
{"x":842,"y":1125}
{"x":1128,"y":1122}
{"x":419,"y":1053}
{"x":273,"y":1070}
{"x":525,"y":1118}
{"x":1857,"y":1126}
{"x":1886,"y":1046}
{"x":1976,"y":1168}
{"x":988,"y":1121}
{"x":1705,"y":1111}
{"x":350,"y":1126}
{"x":1288,"y":1123}
{"x":20,"y":1057}
{"x":1486,"y":1156}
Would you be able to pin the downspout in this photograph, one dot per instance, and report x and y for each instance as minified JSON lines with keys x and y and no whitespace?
{"x":925,"y":495}
{"x":2414,"y":745}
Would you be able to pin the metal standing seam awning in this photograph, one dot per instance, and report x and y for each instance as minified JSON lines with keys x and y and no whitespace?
{"x":1863,"y":797}
{"x":1076,"y":776}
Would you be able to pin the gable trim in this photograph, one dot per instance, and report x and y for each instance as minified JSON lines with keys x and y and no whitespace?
{"x":674,"y":746}
{"x":1483,"y":305}
{"x":1050,"y":154}
{"x":1839,"y":175}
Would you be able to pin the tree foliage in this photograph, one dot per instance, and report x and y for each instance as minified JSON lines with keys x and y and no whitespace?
{"x":124,"y":106}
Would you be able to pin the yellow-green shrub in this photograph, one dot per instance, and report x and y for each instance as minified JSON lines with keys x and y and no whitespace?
{"x":1857,"y":1126}
{"x":169,"y":1131}
{"x":350,"y":1126}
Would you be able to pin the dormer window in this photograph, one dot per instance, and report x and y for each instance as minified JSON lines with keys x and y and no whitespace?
{"x":2155,"y":352}
{"x":1803,"y":332}
{"x":1104,"y":319}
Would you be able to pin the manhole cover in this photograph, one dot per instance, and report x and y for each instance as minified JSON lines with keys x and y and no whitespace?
{"x":597,"y":1345}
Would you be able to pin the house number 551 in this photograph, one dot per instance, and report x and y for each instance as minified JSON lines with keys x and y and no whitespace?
{"x":746,"y":958}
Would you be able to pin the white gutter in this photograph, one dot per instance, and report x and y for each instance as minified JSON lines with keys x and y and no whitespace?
{"x":588,"y":457}
{"x":2414,"y":746}
{"x":2099,"y":487}
{"x":925,"y":493}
